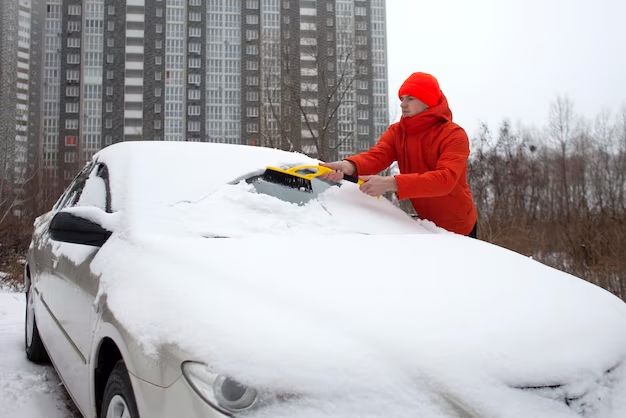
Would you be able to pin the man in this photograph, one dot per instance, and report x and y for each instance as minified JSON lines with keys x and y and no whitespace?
{"x":431,"y":152}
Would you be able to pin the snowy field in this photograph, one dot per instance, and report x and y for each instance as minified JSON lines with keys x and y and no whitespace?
{"x":26,"y":389}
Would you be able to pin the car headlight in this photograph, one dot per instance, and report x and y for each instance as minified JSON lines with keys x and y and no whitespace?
{"x":222,"y":392}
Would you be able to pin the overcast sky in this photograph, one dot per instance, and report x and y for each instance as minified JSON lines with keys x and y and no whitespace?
{"x":499,"y":59}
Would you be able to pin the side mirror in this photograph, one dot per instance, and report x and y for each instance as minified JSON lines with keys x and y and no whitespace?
{"x":67,"y":227}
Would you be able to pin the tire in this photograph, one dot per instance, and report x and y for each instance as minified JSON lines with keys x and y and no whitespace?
{"x":119,"y":400}
{"x":35,"y":350}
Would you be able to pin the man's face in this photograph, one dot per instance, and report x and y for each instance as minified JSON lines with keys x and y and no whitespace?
{"x":411,"y":106}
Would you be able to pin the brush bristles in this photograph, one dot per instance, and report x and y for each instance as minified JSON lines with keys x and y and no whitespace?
{"x":288,"y":180}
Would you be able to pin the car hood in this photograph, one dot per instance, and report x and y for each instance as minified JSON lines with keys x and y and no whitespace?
{"x":402,"y":319}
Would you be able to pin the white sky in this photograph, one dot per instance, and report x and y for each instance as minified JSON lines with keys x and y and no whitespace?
{"x":499,"y":59}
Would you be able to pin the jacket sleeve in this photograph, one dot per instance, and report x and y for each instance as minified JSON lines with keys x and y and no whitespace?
{"x":377,"y":158}
{"x":451,"y":165}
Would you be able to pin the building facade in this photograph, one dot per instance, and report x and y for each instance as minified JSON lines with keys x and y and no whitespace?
{"x":20,"y":98}
{"x":307,"y":75}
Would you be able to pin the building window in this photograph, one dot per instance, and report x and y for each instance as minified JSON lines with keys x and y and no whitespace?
{"x":71,"y":140}
{"x":195,"y":17}
{"x":308,"y":11}
{"x":73,"y":42}
{"x":193,"y":126}
{"x":73,"y":26}
{"x":360,"y":11}
{"x":252,"y":65}
{"x":73,"y":10}
{"x":157,"y":75}
{"x":158,"y":12}
{"x":252,"y":34}
{"x":194,"y":79}
{"x":193,"y":110}
{"x":157,"y":124}
{"x":195,"y":32}
{"x":252,"y":19}
{"x":193,"y":94}
{"x":70,"y":157}
{"x":158,"y":44}
{"x":73,"y":58}
{"x":195,"y":2}
{"x":157,"y":108}
{"x":110,"y":26}
{"x":110,"y":42}
{"x":252,"y":127}
{"x":194,"y":47}
{"x":157,"y":92}
{"x":109,"y":106}
{"x":72,"y":91}
{"x":109,"y":91}
{"x":252,"y":80}
{"x":111,"y":10}
{"x":252,"y":96}
{"x":252,"y":50}
{"x":71,"y":107}
{"x":72,"y":75}
{"x":158,"y":60}
{"x":71,"y":123}
{"x":109,"y":74}
{"x":252,"y":112}
{"x":252,"y":4}
{"x":110,"y":58}
{"x":194,"y":62}
{"x":108,"y":123}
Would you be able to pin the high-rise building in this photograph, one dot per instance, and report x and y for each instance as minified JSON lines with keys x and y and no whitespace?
{"x":19,"y":97}
{"x":306,"y":75}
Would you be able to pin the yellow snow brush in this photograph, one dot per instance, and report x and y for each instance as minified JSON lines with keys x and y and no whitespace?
{"x":300,"y":176}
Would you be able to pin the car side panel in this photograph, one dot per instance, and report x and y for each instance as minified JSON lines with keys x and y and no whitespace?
{"x":61,"y":310}
{"x":67,"y":359}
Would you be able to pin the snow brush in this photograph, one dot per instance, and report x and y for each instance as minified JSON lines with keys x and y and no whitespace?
{"x":300,"y":176}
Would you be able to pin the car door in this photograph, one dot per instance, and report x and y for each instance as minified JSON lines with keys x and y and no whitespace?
{"x":69,"y":287}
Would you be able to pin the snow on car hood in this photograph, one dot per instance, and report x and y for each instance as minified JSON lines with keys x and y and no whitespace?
{"x":344,"y":304}
{"x":351,"y":318}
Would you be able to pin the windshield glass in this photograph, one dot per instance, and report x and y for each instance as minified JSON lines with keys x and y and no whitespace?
{"x":289,"y":193}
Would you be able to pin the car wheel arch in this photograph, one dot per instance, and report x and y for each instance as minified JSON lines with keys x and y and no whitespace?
{"x":108,"y":354}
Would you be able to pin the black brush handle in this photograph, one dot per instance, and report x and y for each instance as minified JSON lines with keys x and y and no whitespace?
{"x":353,"y":179}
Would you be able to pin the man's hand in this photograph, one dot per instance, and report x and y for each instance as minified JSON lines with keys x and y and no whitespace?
{"x":339,"y":169}
{"x":378,"y":185}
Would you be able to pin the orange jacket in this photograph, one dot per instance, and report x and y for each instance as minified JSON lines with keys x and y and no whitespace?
{"x":432,"y":154}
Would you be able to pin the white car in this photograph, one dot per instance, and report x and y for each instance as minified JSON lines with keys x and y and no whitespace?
{"x":176,"y":280}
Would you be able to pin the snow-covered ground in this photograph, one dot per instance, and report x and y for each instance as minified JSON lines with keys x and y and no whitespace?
{"x":26,"y":389}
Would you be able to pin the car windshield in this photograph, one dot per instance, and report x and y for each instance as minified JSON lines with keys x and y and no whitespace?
{"x":289,"y":192}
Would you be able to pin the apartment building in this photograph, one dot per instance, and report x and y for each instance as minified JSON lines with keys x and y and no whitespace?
{"x":307,"y":75}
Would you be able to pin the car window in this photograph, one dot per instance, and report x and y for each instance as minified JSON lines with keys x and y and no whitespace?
{"x":73,"y":191}
{"x":89,"y":188}
{"x":94,"y":192}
